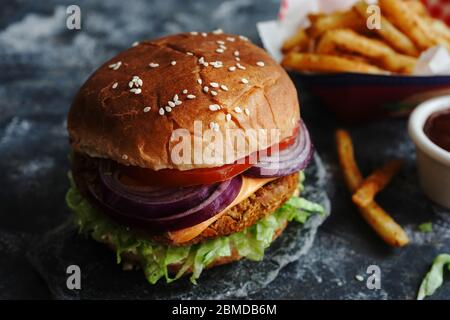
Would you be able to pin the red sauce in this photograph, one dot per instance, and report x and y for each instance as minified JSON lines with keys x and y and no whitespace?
{"x":437,"y":128}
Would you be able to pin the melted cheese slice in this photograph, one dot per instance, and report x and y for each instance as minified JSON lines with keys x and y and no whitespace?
{"x":249,"y":186}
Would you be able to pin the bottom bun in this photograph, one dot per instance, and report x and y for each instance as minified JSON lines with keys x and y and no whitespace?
{"x":132,"y":260}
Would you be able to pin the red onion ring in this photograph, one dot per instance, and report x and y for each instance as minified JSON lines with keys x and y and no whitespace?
{"x":152,"y":202}
{"x":287,"y":161}
{"x":148,"y":219}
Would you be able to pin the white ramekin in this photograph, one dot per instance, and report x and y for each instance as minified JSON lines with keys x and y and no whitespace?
{"x":433,"y":162}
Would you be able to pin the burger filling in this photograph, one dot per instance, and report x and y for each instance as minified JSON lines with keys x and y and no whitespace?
{"x":174,"y":230}
{"x":156,"y":258}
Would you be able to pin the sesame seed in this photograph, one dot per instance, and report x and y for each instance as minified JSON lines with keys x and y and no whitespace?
{"x":243,"y":38}
{"x":131,"y":84}
{"x":161,"y":111}
{"x":205,"y":89}
{"x":231,"y":39}
{"x":217,"y":64}
{"x":214,"y":107}
{"x":175,"y":98}
{"x":136,"y":90}
{"x":173,"y":62}
{"x":136,"y":43}
{"x":214,"y":84}
{"x":178,"y":102}
{"x":124,"y":157}
{"x":228,"y":117}
{"x":223,"y":87}
{"x":219,"y":50}
{"x":189,"y":53}
{"x":237,"y":59}
{"x":140,"y":82}
{"x":171,"y":104}
{"x":205,"y":64}
{"x":153,"y":65}
{"x":260,"y":63}
{"x":190,"y":96}
{"x":115,"y":66}
{"x":240,"y":66}
{"x":233,"y":68}
{"x":147,"y":109}
{"x":359,"y":277}
{"x":201,"y":60}
{"x":238,"y":110}
{"x":213,"y":93}
{"x":168,"y":109}
{"x":244,"y":81}
{"x":204,"y":34}
{"x":218,"y":31}
{"x":236,"y":53}
{"x":194,"y":33}
{"x":115,"y":84}
{"x":220,"y":42}
{"x":185,"y":91}
{"x":247,"y":112}
{"x":199,"y":81}
{"x":223,"y":47}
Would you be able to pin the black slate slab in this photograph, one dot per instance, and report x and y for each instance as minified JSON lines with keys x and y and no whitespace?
{"x":42,"y":65}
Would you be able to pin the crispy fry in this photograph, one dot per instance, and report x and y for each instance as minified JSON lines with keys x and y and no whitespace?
{"x":352,"y":175}
{"x":394,"y":37}
{"x":375,"y":216}
{"x":298,"y":42}
{"x":376,"y":182}
{"x":326,"y":63}
{"x":336,"y":20}
{"x":351,"y":42}
{"x":417,"y":7}
{"x":408,"y":21}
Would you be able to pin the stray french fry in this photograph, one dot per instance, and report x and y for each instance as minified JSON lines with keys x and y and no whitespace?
{"x":336,"y":20}
{"x":349,"y":41}
{"x":376,"y":182}
{"x":394,"y":37}
{"x":352,"y":175}
{"x":327,"y":63}
{"x":375,"y":216}
{"x":298,"y":42}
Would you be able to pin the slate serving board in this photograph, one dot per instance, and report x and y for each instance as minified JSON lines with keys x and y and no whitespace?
{"x":43,"y":64}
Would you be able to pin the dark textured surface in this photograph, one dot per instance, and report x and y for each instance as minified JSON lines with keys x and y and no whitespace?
{"x":43,"y":64}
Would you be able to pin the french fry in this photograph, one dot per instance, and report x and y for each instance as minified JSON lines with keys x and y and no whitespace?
{"x":408,"y":21}
{"x":417,"y":7}
{"x":346,"y":19}
{"x":326,"y":63}
{"x":298,"y":42}
{"x":352,"y":175}
{"x":375,"y":216}
{"x":349,"y":41}
{"x":376,"y":182}
{"x":394,"y":37}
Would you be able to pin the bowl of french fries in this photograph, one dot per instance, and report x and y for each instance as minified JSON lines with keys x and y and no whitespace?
{"x":363,"y":73}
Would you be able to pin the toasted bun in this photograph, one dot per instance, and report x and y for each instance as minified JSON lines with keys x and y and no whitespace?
{"x":133,"y":260}
{"x":108,"y":120}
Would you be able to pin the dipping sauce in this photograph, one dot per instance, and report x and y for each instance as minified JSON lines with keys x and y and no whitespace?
{"x":437,"y":128}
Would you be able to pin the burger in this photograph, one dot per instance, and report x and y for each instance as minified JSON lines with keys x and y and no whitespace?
{"x":188,"y":152}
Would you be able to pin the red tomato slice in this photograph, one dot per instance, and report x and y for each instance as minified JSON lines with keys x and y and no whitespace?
{"x":177,"y":178}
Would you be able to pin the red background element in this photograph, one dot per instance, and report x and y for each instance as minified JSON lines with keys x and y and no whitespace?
{"x":439,"y":9}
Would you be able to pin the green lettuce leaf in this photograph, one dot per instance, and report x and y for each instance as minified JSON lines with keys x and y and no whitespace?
{"x":434,"y":278}
{"x":155,"y":258}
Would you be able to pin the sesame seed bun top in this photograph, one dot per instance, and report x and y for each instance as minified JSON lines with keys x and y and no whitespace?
{"x":129,"y":108}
